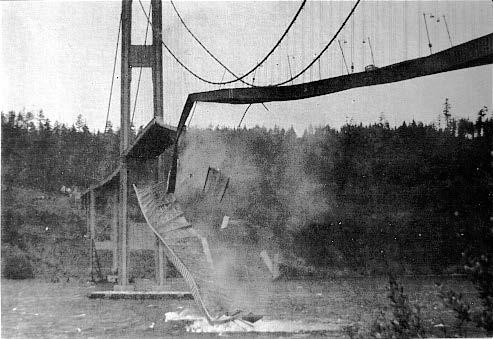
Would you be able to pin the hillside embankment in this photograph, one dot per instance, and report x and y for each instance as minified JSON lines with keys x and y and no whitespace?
{"x":43,"y":236}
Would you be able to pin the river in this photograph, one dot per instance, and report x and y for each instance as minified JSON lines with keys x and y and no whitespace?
{"x":38,"y":309}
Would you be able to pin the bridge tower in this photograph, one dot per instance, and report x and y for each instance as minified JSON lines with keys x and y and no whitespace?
{"x":137,"y":56}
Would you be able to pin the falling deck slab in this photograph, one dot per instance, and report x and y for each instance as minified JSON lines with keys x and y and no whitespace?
{"x":140,"y":295}
{"x":153,"y":140}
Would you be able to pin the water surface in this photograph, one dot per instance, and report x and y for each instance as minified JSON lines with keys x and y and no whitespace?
{"x":33,"y":308}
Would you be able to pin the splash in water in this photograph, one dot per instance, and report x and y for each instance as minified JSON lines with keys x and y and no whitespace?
{"x":199,"y":324}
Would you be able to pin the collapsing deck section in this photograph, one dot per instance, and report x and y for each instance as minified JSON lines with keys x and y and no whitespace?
{"x":164,"y":216}
{"x":221,"y":298}
{"x":154,"y":139}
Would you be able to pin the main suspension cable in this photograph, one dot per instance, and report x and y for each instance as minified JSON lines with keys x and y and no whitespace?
{"x":239,"y":78}
{"x":114,"y":68}
{"x":236,"y":77}
{"x":272,"y":85}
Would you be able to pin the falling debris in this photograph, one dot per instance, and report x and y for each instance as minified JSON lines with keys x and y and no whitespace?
{"x":216,"y":183}
{"x":225,"y":222}
{"x":226,"y":278}
{"x":205,"y":246}
{"x":272,"y":266}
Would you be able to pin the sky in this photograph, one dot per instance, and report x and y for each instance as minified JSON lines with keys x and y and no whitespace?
{"x":58,"y":56}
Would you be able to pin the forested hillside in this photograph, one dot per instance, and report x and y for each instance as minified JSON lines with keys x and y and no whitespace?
{"x":411,"y":198}
{"x":38,"y":154}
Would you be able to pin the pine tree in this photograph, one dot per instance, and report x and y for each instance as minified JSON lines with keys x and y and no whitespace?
{"x":80,"y":123}
{"x":446,"y":111}
{"x":109,"y":127}
{"x":479,"y":122}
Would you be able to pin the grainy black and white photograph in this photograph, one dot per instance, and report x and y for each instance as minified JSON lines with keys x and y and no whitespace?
{"x":299,"y":168}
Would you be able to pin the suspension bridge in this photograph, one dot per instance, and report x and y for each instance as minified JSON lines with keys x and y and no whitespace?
{"x":377,"y":33}
{"x":158,"y":137}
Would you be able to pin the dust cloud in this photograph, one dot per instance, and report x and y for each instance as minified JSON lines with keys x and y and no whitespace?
{"x":261,"y":190}
{"x":267,"y":200}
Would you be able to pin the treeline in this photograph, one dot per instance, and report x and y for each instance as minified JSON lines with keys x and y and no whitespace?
{"x":38,"y":154}
{"x":411,"y":198}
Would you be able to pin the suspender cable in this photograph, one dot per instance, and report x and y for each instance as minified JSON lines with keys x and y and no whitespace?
{"x":419,"y":32}
{"x":390,"y":16}
{"x":113,"y":76}
{"x":320,"y":38}
{"x":303,"y":49}
{"x":352,"y":44}
{"x":289,"y":65}
{"x":371,"y":51}
{"x":310,"y":42}
{"x":343,"y":57}
{"x":244,"y":113}
{"x":248,"y":107}
{"x":363,"y":35}
{"x":330,"y":57}
{"x":427,"y":33}
{"x":222,"y":78}
{"x":448,"y":32}
{"x":404,"y":14}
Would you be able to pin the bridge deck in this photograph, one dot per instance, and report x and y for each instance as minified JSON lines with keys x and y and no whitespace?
{"x":473,"y":53}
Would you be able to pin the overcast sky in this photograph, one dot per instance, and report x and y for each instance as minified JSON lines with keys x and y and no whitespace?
{"x":58,"y":56}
